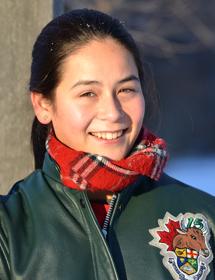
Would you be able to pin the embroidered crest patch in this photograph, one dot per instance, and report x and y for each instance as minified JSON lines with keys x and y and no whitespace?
{"x":184,"y":243}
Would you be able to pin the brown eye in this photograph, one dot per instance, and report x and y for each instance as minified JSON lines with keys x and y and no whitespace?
{"x":127,"y":90}
{"x":88,"y":94}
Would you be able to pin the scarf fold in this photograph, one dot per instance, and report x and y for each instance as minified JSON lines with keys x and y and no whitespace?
{"x":81,"y":171}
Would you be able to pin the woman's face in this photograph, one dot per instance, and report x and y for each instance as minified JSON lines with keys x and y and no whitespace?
{"x":99,"y":105}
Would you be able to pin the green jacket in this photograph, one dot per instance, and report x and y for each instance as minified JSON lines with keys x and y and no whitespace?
{"x":49,"y":231}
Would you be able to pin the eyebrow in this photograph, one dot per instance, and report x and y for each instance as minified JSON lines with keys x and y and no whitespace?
{"x":90,"y":82}
{"x":85,"y":83}
{"x":128,"y":79}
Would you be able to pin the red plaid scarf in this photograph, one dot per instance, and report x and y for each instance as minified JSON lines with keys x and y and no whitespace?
{"x":80,"y":170}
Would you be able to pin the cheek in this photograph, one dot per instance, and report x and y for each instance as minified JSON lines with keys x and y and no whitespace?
{"x":69,"y":117}
{"x":137,"y":111}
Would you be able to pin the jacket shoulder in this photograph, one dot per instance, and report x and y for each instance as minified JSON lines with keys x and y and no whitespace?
{"x":179,"y":195}
{"x":167,"y":181}
{"x":17,"y":214}
{"x":12,"y":215}
{"x":19,"y":201}
{"x":28,"y":185}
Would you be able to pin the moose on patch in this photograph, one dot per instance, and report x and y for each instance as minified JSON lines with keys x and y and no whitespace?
{"x":187,"y":240}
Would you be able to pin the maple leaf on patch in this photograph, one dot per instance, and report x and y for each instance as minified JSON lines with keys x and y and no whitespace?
{"x":168,"y":236}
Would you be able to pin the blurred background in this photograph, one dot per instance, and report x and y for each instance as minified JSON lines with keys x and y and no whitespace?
{"x":177,"y":42}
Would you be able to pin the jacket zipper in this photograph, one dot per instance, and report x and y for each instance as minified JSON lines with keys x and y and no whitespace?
{"x":109,"y":215}
{"x":99,"y":230}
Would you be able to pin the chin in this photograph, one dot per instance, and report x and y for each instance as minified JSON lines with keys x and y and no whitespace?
{"x":115,"y":157}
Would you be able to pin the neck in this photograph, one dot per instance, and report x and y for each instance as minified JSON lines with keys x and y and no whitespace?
{"x":100,"y":196}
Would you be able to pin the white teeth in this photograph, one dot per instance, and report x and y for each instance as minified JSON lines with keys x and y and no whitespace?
{"x":108,"y":135}
{"x":119,"y":133}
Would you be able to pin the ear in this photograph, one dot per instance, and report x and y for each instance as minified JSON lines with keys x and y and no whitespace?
{"x":42,"y":107}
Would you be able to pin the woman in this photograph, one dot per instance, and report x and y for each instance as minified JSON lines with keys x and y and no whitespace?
{"x":98,"y":205}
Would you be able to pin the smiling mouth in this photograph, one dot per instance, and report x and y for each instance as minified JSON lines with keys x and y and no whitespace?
{"x":108,"y":135}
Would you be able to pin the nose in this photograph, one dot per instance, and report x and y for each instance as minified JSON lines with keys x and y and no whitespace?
{"x":110,"y":109}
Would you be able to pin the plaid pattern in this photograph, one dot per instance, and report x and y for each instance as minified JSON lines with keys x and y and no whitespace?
{"x":79,"y":170}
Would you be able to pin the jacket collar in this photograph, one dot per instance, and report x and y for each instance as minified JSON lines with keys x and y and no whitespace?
{"x":51,"y":169}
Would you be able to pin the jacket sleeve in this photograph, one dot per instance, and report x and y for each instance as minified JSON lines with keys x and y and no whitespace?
{"x":4,"y":253}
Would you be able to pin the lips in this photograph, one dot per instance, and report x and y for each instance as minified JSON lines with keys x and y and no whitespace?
{"x":108,"y":135}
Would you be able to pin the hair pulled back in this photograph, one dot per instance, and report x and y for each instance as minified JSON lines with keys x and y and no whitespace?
{"x":58,"y":39}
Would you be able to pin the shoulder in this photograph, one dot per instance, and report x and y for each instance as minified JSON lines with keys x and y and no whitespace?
{"x":171,"y":195}
{"x":32,"y":184}
{"x":30,"y":199}
{"x":180,"y":193}
{"x":16,"y":210}
{"x":21,"y":195}
{"x":19,"y":207}
{"x":174,"y":186}
{"x":167,"y":185}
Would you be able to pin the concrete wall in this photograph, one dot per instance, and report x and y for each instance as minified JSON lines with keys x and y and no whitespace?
{"x":20,"y":23}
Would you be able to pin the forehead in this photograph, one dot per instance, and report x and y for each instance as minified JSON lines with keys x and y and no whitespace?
{"x":100,"y":57}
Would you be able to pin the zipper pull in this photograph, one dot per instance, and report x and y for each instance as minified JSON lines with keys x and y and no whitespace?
{"x":104,"y":232}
